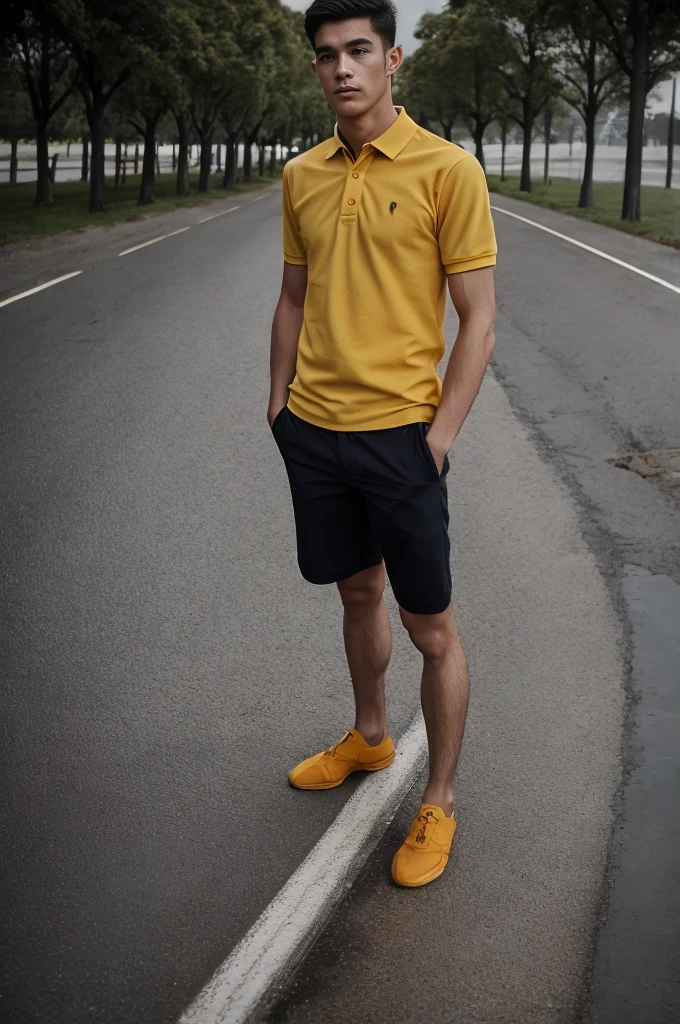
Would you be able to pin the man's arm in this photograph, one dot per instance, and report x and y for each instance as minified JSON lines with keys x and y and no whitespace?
{"x":286,"y":329}
{"x":473,"y":296}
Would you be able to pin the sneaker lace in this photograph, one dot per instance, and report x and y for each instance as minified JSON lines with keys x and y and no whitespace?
{"x":426,"y":819}
{"x":331,"y":750}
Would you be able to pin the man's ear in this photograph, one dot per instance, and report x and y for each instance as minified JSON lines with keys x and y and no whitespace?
{"x":314,"y":66}
{"x":394,"y":57}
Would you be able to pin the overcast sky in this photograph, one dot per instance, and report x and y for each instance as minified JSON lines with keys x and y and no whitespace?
{"x":411,"y":10}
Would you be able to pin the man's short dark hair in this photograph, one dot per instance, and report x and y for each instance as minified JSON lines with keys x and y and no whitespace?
{"x":383,"y":15}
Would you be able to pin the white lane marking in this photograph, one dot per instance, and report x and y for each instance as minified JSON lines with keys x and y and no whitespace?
{"x":39,"y":288}
{"x":598,"y":252}
{"x":284,"y":932}
{"x":220,"y":214}
{"x":260,"y":197}
{"x":153,"y":241}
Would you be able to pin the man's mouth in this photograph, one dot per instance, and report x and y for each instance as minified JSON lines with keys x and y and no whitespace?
{"x":345,"y":90}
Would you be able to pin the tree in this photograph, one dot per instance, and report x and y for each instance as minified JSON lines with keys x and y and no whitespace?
{"x":528,"y":69}
{"x":16,"y":116}
{"x":645,"y":40}
{"x":430,"y":78}
{"x":205,"y":69}
{"x":670,"y":141}
{"x":140,"y":105}
{"x":479,"y":45}
{"x":591,"y":74}
{"x":47,"y":71}
{"x":109,"y":41}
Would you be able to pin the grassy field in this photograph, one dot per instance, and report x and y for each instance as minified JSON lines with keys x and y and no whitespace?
{"x":660,"y":207}
{"x":20,"y":219}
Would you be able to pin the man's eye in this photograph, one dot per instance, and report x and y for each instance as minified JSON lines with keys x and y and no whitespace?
{"x":358,"y":51}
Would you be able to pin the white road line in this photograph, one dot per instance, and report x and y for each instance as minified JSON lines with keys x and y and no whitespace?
{"x":281,"y":936}
{"x":260,"y":197}
{"x":153,"y":241}
{"x":220,"y":214}
{"x":40,"y":287}
{"x":598,"y":252}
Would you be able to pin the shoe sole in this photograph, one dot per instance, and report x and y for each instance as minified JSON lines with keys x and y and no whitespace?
{"x":378,"y":766}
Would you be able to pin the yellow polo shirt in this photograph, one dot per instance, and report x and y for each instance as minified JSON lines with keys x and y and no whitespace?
{"x":378,"y":236}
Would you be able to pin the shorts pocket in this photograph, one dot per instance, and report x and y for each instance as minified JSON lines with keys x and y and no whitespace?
{"x":277,"y":418}
{"x":422,"y":431}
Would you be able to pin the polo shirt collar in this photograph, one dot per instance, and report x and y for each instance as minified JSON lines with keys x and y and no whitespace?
{"x":391,"y":142}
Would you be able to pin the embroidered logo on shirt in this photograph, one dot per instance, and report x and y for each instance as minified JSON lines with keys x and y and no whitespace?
{"x":393,"y":207}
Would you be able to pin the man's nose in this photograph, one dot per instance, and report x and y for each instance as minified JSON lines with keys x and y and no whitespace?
{"x":343,"y":69}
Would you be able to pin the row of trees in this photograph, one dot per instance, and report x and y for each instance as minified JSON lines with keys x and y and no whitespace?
{"x":509,"y":61}
{"x":227,"y":70}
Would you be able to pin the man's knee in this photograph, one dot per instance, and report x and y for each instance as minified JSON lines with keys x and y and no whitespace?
{"x":432,"y":635}
{"x":364,"y":589}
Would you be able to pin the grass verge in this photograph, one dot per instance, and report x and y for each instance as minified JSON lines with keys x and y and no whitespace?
{"x":20,"y":219}
{"x":660,"y":206}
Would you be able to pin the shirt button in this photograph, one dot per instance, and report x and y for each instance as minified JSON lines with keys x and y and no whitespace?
{"x":355,"y":174}
{"x":351,"y":202}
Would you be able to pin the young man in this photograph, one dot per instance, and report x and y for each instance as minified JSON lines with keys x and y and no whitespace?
{"x":375,"y":221}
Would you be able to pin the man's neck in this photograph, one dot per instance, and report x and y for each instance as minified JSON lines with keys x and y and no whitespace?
{"x":357,"y":131}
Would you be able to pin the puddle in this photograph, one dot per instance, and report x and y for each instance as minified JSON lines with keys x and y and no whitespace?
{"x":636,"y":968}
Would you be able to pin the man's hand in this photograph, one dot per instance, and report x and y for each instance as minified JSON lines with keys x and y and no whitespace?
{"x":274,"y":410}
{"x":438,"y":449}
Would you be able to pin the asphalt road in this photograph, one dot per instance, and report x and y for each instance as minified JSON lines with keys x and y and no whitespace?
{"x":164,"y":664}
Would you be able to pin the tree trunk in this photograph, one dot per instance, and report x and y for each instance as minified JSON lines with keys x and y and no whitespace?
{"x":68,"y":150}
{"x":230,"y":161}
{"x":504,"y":140}
{"x":147,"y":191}
{"x":13,"y":162}
{"x":447,"y":129}
{"x":119,"y":151}
{"x":84,"y":158}
{"x":248,"y":141}
{"x":479,"y":143}
{"x":525,"y":176}
{"x":43,"y":193}
{"x":182,"y":156}
{"x":571,"y":137}
{"x":136,"y":158}
{"x":671,"y":139}
{"x":206,"y":161}
{"x":585,"y":199}
{"x":272,"y":159}
{"x":157,"y":157}
{"x":97,"y":176}
{"x":218,"y":155}
{"x":53,"y":168}
{"x":631,"y":209}
{"x":174,"y":158}
{"x":547,"y":128}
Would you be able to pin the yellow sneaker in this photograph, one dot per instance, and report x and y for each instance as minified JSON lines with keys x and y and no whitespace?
{"x":425,"y":853}
{"x":350,"y":754}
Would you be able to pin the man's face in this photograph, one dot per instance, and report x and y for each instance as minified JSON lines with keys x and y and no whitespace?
{"x":352,"y":65}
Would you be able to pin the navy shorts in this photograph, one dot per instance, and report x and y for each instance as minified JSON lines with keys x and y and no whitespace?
{"x":363,"y":496}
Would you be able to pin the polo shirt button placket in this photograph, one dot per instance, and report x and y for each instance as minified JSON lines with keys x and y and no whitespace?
{"x":353,"y":191}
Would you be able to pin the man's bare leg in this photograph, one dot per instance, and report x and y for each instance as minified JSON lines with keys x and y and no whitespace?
{"x":368,"y":645}
{"x":444,"y":694}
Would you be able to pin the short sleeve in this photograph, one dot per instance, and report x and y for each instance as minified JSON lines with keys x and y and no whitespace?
{"x":465,"y":230}
{"x":293,"y":247}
